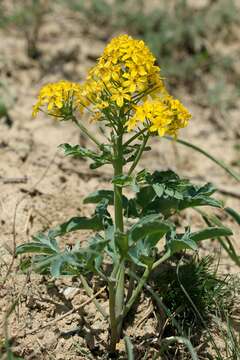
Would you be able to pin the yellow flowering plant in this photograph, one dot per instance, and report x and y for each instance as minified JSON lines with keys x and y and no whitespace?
{"x":124,"y":91}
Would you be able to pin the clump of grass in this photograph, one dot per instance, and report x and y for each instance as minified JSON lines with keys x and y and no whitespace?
{"x":201,"y":302}
{"x":193,"y":281}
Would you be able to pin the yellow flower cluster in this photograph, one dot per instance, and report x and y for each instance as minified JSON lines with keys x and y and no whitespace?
{"x":60,"y":98}
{"x":125,"y":70}
{"x":164,"y":116}
{"x":125,"y":85}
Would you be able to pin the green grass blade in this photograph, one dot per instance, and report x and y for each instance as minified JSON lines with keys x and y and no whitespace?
{"x":228,"y":246}
{"x":172,"y":339}
{"x":220,"y":163}
{"x":235,"y":215}
{"x":129,"y":348}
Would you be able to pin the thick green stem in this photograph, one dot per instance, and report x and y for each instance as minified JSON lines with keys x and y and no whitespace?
{"x":118,"y":168}
{"x":116,"y":298}
{"x":118,"y":209}
{"x":119,"y":303}
{"x":112,"y":314}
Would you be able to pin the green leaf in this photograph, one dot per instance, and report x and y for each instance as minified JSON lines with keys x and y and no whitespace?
{"x":199,"y":196}
{"x":58,"y":262}
{"x":177,"y":242}
{"x":97,"y":196}
{"x":67,"y":262}
{"x":168,"y":183}
{"x":50,"y":259}
{"x":99,"y":159}
{"x":94,"y":252}
{"x":233,"y":213}
{"x":97,"y":222}
{"x":78,"y":223}
{"x":145,"y":196}
{"x":225,"y":242}
{"x":44,"y":244}
{"x":150,"y":225}
{"x":144,"y":236}
{"x":33,"y":248}
{"x":78,"y":151}
{"x":143,"y":176}
{"x":142,"y":253}
{"x":210,"y":233}
{"x":159,"y":189}
{"x":164,"y":192}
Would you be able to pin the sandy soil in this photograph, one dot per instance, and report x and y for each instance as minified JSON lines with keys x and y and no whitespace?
{"x":40,"y":188}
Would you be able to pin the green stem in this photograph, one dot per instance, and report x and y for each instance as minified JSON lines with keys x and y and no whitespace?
{"x":119,"y":302}
{"x":118,"y":168}
{"x":135,"y":137}
{"x":162,"y":259}
{"x":139,"y":154}
{"x":129,"y":348}
{"x":143,"y":281}
{"x":116,"y":300}
{"x":112,"y":314}
{"x":89,"y":292}
{"x":131,"y":282}
{"x":136,"y":291}
{"x":86,"y":132}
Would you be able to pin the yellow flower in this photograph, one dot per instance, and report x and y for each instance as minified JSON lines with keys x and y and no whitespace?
{"x":118,"y":95}
{"x":163,"y":116}
{"x":60,"y":99}
{"x":126,"y":69}
{"x":125,"y":75}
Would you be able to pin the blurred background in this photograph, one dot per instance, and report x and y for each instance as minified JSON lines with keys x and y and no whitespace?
{"x":196,"y":43}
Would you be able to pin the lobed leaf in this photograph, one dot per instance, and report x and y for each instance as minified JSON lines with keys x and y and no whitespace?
{"x":99,"y":195}
{"x":188,"y":240}
{"x":150,"y":226}
{"x":164,"y":192}
{"x":99,"y":159}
